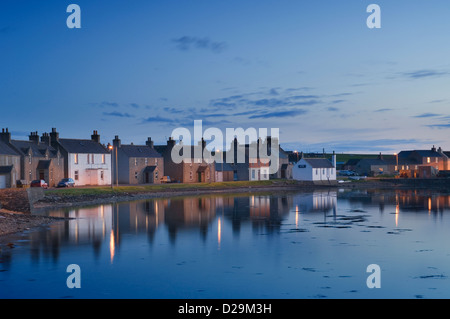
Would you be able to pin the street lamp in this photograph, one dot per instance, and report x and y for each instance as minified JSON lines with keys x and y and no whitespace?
{"x":218,"y":151}
{"x":111,"y":147}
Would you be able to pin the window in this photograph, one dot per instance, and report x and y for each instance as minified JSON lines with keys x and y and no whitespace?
{"x":146,"y":161}
{"x":92,"y":158}
{"x":156,"y":162}
{"x":102,"y":175}
{"x":29,"y":159}
{"x":396,"y":168}
{"x":156,"y":174}
{"x":75,"y":158}
{"x":76,"y":175}
{"x":428,"y":160}
{"x":135,"y":161}
{"x":323,"y":171}
{"x":253,"y":174}
{"x":437,"y":160}
{"x":135,"y":175}
{"x":88,"y":159}
{"x":190,"y":175}
{"x":317,"y":171}
{"x":103,"y":158}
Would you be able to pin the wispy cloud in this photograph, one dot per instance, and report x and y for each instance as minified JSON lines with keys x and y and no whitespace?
{"x":186,"y":43}
{"x":278,"y":114}
{"x":117,"y":114}
{"x":420,"y":74}
{"x":383,"y":110}
{"x":106,"y":104}
{"x":425,"y":115}
{"x":158,"y":119}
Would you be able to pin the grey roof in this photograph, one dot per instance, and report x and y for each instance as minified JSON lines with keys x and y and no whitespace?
{"x":37,"y":150}
{"x":149,"y":169}
{"x":5,"y":149}
{"x":6,"y":169}
{"x":82,"y":146}
{"x":319,"y":162}
{"x":44,"y":164}
{"x":423,"y":153}
{"x":139,"y":151}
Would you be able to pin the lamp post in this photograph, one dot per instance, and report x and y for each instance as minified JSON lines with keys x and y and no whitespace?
{"x":218,"y":151}
{"x":111,"y":147}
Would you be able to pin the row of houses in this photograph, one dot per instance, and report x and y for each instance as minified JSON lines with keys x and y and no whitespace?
{"x":89,"y":162}
{"x":408,"y":164}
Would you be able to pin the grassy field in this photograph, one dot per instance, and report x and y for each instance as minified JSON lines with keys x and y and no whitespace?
{"x":105,"y":190}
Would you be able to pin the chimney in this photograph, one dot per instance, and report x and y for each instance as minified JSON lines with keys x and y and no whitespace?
{"x":45,"y":138}
{"x":34,"y":137}
{"x":439,"y":150}
{"x":334,"y":159}
{"x":54,"y":137}
{"x":433,"y":149}
{"x":116,"y":142}
{"x":171,"y":142}
{"x":5,"y":136}
{"x":380,"y":156}
{"x":95,"y":137}
{"x":149,"y":142}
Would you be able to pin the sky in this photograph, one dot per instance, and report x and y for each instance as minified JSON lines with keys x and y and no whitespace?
{"x":312,"y":69}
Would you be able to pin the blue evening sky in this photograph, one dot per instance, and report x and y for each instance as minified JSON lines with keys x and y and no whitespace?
{"x":313,"y":69}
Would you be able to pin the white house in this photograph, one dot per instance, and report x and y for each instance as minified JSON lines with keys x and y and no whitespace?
{"x":87,"y":161}
{"x":315,"y":170}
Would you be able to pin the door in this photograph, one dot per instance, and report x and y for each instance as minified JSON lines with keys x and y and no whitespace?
{"x":2,"y":181}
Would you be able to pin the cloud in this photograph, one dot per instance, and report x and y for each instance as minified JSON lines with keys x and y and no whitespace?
{"x":425,"y":115}
{"x":420,"y":74}
{"x":290,"y":113}
{"x":135,"y":105}
{"x":106,"y":104}
{"x":158,"y":119}
{"x":439,"y":126}
{"x":383,"y":110}
{"x":186,"y":43}
{"x":117,"y":114}
{"x":332,"y":109}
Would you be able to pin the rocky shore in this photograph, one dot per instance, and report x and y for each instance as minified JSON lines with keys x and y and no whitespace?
{"x":13,"y":222}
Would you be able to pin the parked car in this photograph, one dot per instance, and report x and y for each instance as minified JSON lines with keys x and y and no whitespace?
{"x":39,"y":183}
{"x":165,"y":179}
{"x":66,"y":182}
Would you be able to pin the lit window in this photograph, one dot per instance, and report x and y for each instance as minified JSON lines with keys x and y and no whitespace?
{"x":437,"y":160}
{"x":103,"y":158}
{"x":75,"y":158}
{"x":428,"y":160}
{"x":135,"y":161}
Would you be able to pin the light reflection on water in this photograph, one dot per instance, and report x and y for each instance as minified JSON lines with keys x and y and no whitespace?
{"x":296,"y":245}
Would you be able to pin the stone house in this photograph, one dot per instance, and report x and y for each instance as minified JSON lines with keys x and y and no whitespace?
{"x":136,"y":164}
{"x":9,"y":162}
{"x":195,"y":169}
{"x":39,"y":160}
{"x":87,"y":162}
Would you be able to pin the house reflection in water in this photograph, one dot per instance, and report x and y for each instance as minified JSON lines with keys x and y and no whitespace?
{"x":316,"y":202}
{"x":103,"y":227}
{"x":265,"y":213}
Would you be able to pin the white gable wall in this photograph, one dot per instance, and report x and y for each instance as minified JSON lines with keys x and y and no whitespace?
{"x":88,"y":172}
{"x":303,"y":171}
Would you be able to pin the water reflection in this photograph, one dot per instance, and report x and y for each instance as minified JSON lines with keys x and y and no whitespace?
{"x":110,"y":223}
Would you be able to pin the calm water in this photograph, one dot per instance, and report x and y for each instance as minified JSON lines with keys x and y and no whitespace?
{"x":301,"y":245}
